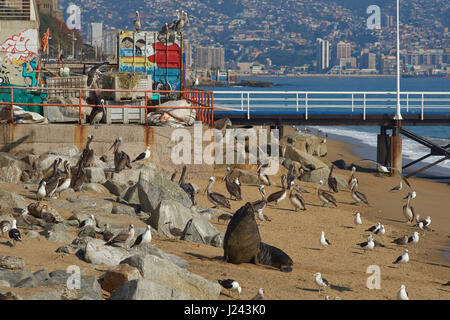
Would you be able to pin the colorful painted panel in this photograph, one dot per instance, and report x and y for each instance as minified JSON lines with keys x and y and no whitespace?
{"x":147,"y":52}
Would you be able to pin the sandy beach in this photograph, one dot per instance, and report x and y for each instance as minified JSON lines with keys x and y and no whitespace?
{"x":343,"y":264}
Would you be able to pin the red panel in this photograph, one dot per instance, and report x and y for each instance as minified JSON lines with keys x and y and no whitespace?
{"x":166,"y":57}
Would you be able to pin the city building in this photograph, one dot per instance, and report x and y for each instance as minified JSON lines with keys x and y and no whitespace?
{"x":322,"y":55}
{"x":95,"y":34}
{"x":209,"y":58}
{"x":110,"y":43}
{"x":50,"y":7}
{"x":368,"y":60}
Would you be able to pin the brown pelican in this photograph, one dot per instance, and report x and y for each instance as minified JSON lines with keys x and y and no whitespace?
{"x":219,"y":200}
{"x":260,"y":205}
{"x":233,"y":188}
{"x":137,"y":22}
{"x":182,"y":21}
{"x":332,"y":182}
{"x":262,"y":176}
{"x":171,"y":25}
{"x":65,"y":179}
{"x":324,"y":196}
{"x":408,"y":210}
{"x":358,"y":196}
{"x":279,"y":195}
{"x":352,"y":176}
{"x":290,"y":176}
{"x":121,"y":159}
{"x":97,"y":113}
{"x":52,"y":182}
{"x":144,"y":155}
{"x":177,"y":232}
{"x":79,"y":178}
{"x":296,"y":199}
{"x":187,"y":187}
{"x":30,"y":220}
{"x":88,"y":154}
{"x":145,"y":237}
{"x":122,"y":237}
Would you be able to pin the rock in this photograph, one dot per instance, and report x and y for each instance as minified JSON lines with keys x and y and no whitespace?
{"x":13,"y":277}
{"x":126,"y":177}
{"x":154,"y":187}
{"x":306,"y":160}
{"x":95,"y":175}
{"x":58,"y":236}
{"x":45,"y":295}
{"x":72,"y":223}
{"x":148,"y":248}
{"x":115,"y":187}
{"x":167,"y":274}
{"x":87,"y":231}
{"x":340,"y":164}
{"x":83,"y":203}
{"x":41,"y":275}
{"x":200,"y":230}
{"x":322,"y":174}
{"x":117,"y":276}
{"x":10,"y":174}
{"x":12,"y":263}
{"x":94,"y":187}
{"x":67,"y":151}
{"x":7,"y":160}
{"x":89,"y":289}
{"x":126,"y":210}
{"x":245,"y":177}
{"x":56,"y":227}
{"x":32,"y":234}
{"x":142,"y":289}
{"x":296,"y":140}
{"x":172,"y":211}
{"x":242,"y":240}
{"x":43,"y":211}
{"x":96,"y":252}
{"x":4,"y":284}
{"x":132,"y":195}
{"x":30,"y":282}
{"x":10,"y":296}
{"x":11,"y":200}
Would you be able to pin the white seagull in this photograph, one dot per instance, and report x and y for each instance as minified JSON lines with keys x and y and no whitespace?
{"x":414,"y":238}
{"x":368,"y":245}
{"x":144,"y":155}
{"x":88,"y":222}
{"x":404,"y":258}
{"x":323,"y":241}
{"x":231,"y":285}
{"x":321,"y":282}
{"x":145,"y":237}
{"x":357,"y":219}
{"x":402,"y":294}
{"x":380,"y":231}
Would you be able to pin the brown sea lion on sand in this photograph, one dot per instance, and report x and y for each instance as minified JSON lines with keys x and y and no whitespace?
{"x":272,"y":256}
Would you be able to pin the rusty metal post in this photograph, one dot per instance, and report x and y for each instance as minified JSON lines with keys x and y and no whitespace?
{"x":146,"y":110}
{"x":212,"y":109}
{"x":79,"y":110}
{"x":12,"y":106}
{"x":396,"y":149}
{"x":383,"y":148}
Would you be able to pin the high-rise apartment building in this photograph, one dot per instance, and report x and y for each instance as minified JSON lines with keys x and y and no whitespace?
{"x":209,"y":58}
{"x":322,"y":55}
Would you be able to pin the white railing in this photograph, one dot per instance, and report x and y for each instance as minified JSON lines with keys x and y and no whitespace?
{"x":366,"y":102}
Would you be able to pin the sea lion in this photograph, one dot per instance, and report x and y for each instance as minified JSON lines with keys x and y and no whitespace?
{"x":272,"y":256}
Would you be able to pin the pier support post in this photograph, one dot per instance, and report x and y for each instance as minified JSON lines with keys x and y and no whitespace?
{"x":383,"y":147}
{"x":396,"y":150}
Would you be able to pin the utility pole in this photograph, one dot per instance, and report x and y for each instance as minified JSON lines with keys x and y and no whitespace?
{"x":73,"y":45}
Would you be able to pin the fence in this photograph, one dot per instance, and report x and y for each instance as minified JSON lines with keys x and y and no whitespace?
{"x":201,"y":101}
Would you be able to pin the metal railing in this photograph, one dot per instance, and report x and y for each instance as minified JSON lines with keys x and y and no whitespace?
{"x":201,"y":101}
{"x":365,"y":102}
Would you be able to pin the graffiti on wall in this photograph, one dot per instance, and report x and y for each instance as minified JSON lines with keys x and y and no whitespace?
{"x":145,"y":52}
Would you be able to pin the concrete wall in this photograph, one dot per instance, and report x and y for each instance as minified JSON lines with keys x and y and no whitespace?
{"x":37,"y":139}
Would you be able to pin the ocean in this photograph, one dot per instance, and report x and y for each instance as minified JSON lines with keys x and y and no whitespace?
{"x":366,"y":136}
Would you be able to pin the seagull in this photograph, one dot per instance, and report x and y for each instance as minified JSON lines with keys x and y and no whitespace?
{"x":324,"y":241}
{"x":402,"y":294}
{"x":374,"y":228}
{"x":411,"y":195}
{"x":144,"y":155}
{"x":41,"y":192}
{"x":380,"y":168}
{"x":404,"y":258}
{"x":380,"y":231}
{"x":401,"y":241}
{"x":321,"y":282}
{"x":368,"y":245}
{"x":259,"y":295}
{"x":414,"y":238}
{"x":230,"y":285}
{"x":398,"y":187}
{"x":425,"y":223}
{"x":88,"y":222}
{"x":14,"y":233}
{"x":357,"y":219}
{"x":122,"y":237}
{"x":145,"y":237}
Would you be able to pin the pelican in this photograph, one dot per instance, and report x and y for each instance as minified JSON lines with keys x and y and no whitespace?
{"x":279,"y":195}
{"x":219,"y":200}
{"x":324,"y":196}
{"x":187,"y":187}
{"x":177,"y":232}
{"x":290,"y":176}
{"x":172,"y":25}
{"x":260,"y":205}
{"x":79,"y":178}
{"x":352,"y":176}
{"x":107,"y":234}
{"x":182,"y":21}
{"x":358,"y":196}
{"x":145,"y":237}
{"x":137,"y":22}
{"x":408,"y":210}
{"x":66,"y":179}
{"x":332,"y":182}
{"x":144,"y":155}
{"x":97,"y":113}
{"x":121,"y":159}
{"x":262,"y":176}
{"x":233,"y":188}
{"x":52,"y":183}
{"x":88,"y":154}
{"x":296,"y":199}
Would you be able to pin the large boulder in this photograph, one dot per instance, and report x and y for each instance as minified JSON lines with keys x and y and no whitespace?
{"x":154,"y":187}
{"x":147,"y":248}
{"x":44,"y":212}
{"x":167,"y":274}
{"x":305,"y":159}
{"x":142,"y":289}
{"x":118,"y":275}
{"x":7,"y":160}
{"x":322,"y":174}
{"x":97,"y":252}
{"x":83,"y":203}
{"x":12,"y":263}
{"x":242,"y":240}
{"x":245,"y":177}
{"x":15,"y":276}
{"x":95,"y":175}
{"x":131,"y":195}
{"x":10,"y":174}
{"x":202,"y":231}
{"x":11,"y":200}
{"x":169,"y":210}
